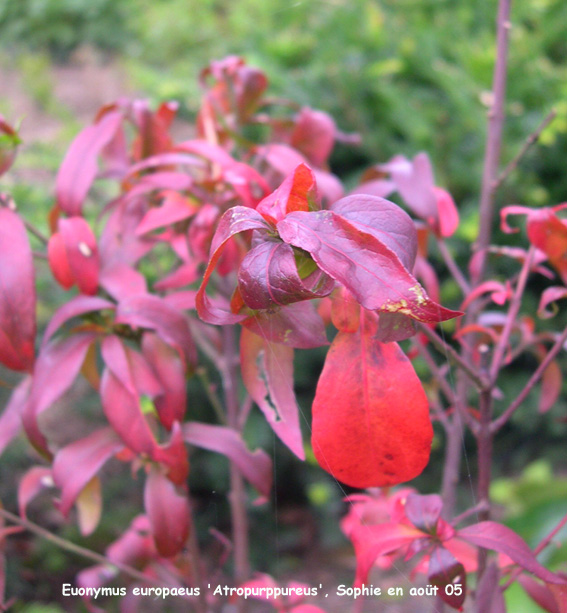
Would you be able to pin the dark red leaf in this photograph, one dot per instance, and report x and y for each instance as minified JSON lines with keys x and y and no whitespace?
{"x":366,"y":266}
{"x":497,"y":537}
{"x":168,"y":509}
{"x":11,"y":418}
{"x":256,"y":466}
{"x":445,"y":570}
{"x":154,"y":313}
{"x":269,"y":277}
{"x":295,"y":325}
{"x":235,"y":220}
{"x":79,"y":168}
{"x":267,"y":373}
{"x":77,"y":463}
{"x":539,"y":593}
{"x":57,"y":366}
{"x":371,"y":424}
{"x":17,"y":294}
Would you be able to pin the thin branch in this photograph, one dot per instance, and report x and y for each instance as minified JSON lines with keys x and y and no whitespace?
{"x":494,"y":138}
{"x":531,"y":140}
{"x":438,"y":376}
{"x":534,"y":379}
{"x":453,"y":267}
{"x":76,"y":549}
{"x":213,"y":398}
{"x":454,"y":357}
{"x":513,"y":310}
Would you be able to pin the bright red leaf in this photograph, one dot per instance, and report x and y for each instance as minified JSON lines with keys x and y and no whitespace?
{"x":371,"y":424}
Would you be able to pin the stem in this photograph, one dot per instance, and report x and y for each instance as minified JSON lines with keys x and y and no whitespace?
{"x":484,"y":445}
{"x":237,"y":496}
{"x":453,"y":267}
{"x":494,"y":138}
{"x":195,"y":556}
{"x":76,"y":549}
{"x":514,"y":308}
{"x":454,"y":357}
{"x":534,"y":379}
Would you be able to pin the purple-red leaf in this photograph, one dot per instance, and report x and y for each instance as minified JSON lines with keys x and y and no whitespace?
{"x":79,"y":168}
{"x":256,"y":466}
{"x":365,"y":265}
{"x":235,"y":220}
{"x":77,"y":463}
{"x":488,"y":594}
{"x":36,"y":479}
{"x":539,"y":593}
{"x":445,"y":570}
{"x":168,"y":509}
{"x":497,"y":537}
{"x":269,"y":277}
{"x":122,"y":281}
{"x":424,"y":511}
{"x":267,"y":373}
{"x":295,"y":325}
{"x":371,"y":424}
{"x":17,"y":294}
{"x":174,"y":207}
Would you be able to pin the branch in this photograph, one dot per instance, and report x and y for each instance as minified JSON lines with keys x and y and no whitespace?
{"x":534,"y":379}
{"x":494,"y":137}
{"x":453,"y":267}
{"x":480,"y":381}
{"x":76,"y":549}
{"x":531,"y":140}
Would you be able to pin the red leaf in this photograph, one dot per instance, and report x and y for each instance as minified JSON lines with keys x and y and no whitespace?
{"x":82,"y":253}
{"x":235,"y":220}
{"x":371,"y":424}
{"x":345,"y":311}
{"x":549,"y":233}
{"x":57,"y":366}
{"x":551,"y":383}
{"x":550,"y":295}
{"x":174,"y":207}
{"x":447,"y":214}
{"x":295,"y":325}
{"x":168,"y":509}
{"x":269,"y":277}
{"x":156,"y":314}
{"x":494,"y":536}
{"x":77,"y":463}
{"x":31,"y":484}
{"x":122,"y":281}
{"x":79,"y":168}
{"x":59,"y":262}
{"x":298,"y":192}
{"x":267,"y":373}
{"x":371,"y":542}
{"x":256,"y":466}
{"x":366,"y":266}
{"x":17,"y":294}
{"x":11,"y":419}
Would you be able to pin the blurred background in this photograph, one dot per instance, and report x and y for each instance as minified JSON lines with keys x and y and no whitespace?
{"x":407,"y":75}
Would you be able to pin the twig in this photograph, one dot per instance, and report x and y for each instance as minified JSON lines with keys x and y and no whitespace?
{"x":453,"y":267}
{"x":454,"y":357}
{"x":76,"y":549}
{"x":513,"y":309}
{"x":213,"y":398}
{"x":534,"y":379}
{"x":531,"y":140}
{"x":494,"y":138}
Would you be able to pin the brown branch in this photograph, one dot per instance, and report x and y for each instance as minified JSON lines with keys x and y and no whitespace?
{"x":531,"y":140}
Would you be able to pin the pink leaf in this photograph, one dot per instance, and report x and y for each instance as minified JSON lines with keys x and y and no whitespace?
{"x":79,"y":168}
{"x":17,"y":294}
{"x":497,"y":537}
{"x":256,"y":466}
{"x":314,"y":135}
{"x":174,"y":207}
{"x":168,"y":509}
{"x":539,"y":593}
{"x":267,"y":373}
{"x":550,"y":295}
{"x":82,"y":253}
{"x":156,"y":314}
{"x":447,"y":214}
{"x":57,"y":366}
{"x":11,"y":418}
{"x":77,"y":463}
{"x":122,"y":281}
{"x":31,"y":484}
